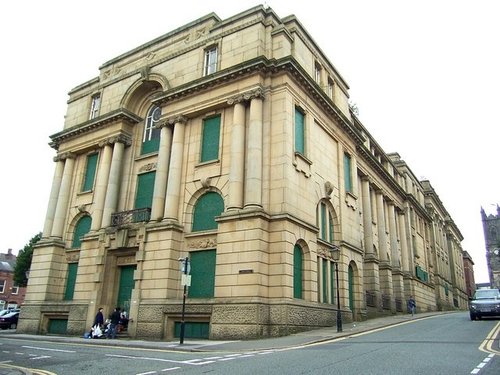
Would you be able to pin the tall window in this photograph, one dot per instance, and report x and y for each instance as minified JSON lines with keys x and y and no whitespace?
{"x":145,"y":187}
{"x":347,"y":173}
{"x":297,"y":272}
{"x":210,"y":139}
{"x":210,"y":64}
{"x":82,"y":227}
{"x":95,"y":106}
{"x":151,"y":137}
{"x":299,"y":131}
{"x":329,"y":88}
{"x":317,"y":73}
{"x":2,"y":286}
{"x":203,"y":267}
{"x":325,"y":223}
{"x":90,"y":169}
{"x":70,"y":281}
{"x":208,"y":206}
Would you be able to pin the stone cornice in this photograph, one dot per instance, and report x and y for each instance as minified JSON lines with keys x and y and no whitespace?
{"x":100,"y":122}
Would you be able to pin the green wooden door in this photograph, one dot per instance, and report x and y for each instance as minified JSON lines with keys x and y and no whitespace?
{"x":58,"y":326}
{"x":125,"y":287}
{"x":350,"y":275}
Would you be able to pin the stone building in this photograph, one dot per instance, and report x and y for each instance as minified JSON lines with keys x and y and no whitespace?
{"x":232,"y":143}
{"x":470,"y":281}
{"x":491,"y":227}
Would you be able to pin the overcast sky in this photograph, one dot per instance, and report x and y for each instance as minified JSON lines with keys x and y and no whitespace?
{"x":424,"y":74}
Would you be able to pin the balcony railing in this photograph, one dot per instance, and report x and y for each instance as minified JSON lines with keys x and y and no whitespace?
{"x":128,"y":217}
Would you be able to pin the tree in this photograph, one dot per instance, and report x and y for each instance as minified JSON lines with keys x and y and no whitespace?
{"x":23,"y":262}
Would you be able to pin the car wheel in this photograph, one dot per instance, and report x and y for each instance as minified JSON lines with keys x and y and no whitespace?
{"x":472,"y":317}
{"x":13,"y":326}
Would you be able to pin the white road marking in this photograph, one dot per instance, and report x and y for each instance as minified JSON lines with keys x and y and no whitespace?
{"x":171,"y":369}
{"x":49,"y":349}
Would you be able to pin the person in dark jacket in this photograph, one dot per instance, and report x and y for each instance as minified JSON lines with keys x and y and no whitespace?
{"x":99,"y":318}
{"x":412,"y":306}
{"x":114,"y":320}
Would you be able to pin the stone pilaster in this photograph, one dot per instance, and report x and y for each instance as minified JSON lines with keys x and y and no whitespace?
{"x":63,"y":197}
{"x":160,"y":188}
{"x":54,"y":195}
{"x":237,"y":168}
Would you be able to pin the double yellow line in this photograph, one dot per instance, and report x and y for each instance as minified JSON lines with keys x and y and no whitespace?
{"x":27,"y":370}
{"x":487,"y":345}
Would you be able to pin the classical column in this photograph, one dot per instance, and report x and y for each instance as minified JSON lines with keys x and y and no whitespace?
{"x":253,"y":182}
{"x":382,"y":236}
{"x":111,"y":201}
{"x":237,"y":168}
{"x":101,"y":184}
{"x":63,"y":198}
{"x":404,"y":241}
{"x":54,"y":195}
{"x":393,"y":236}
{"x":367,"y":215}
{"x":160,"y":187}
{"x":175,"y":170}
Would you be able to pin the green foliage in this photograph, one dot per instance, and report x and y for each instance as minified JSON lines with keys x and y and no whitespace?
{"x":23,"y":262}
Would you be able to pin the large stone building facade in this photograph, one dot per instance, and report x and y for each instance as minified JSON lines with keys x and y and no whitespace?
{"x":232,"y":143}
{"x":491,"y":227}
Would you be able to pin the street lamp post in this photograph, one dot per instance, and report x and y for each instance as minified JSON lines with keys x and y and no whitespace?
{"x":339,"y":314}
{"x":185,"y":268}
{"x":335,"y":252}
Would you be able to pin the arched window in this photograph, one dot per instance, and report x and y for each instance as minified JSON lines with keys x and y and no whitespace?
{"x":82,"y":227}
{"x":208,"y":206}
{"x":151,"y":137}
{"x":297,"y":272}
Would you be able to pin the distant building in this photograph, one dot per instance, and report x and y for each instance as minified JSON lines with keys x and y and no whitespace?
{"x":11,"y":295}
{"x":232,"y":143}
{"x":470,"y":282}
{"x":491,"y":227}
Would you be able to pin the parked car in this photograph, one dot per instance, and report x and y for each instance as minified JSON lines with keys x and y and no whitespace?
{"x":7,"y":311}
{"x":9,"y":320}
{"x":485,"y":302}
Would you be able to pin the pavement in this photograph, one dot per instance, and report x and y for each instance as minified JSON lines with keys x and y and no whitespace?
{"x":194,"y":345}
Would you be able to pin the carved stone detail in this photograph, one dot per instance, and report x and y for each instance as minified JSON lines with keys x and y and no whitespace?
{"x":246,"y":96}
{"x":148,"y":167}
{"x":64,"y":156}
{"x":204,"y":243}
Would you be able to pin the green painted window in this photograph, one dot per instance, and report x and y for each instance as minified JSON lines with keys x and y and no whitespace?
{"x":297,"y":272}
{"x":330,"y":227}
{"x":208,"y":206}
{"x":323,"y":221}
{"x":210,"y":139}
{"x":58,"y":326}
{"x":70,"y":281}
{"x":202,"y":274}
{"x":82,"y":227}
{"x":88,"y":181}
{"x":151,"y":136}
{"x":347,"y":173}
{"x":324,"y":281}
{"x":193,"y":330}
{"x":145,"y":187}
{"x":299,"y":132}
{"x":350,"y":277}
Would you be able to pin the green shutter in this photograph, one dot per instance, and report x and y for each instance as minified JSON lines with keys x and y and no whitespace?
{"x":323,"y":220}
{"x":297,"y":272}
{"x":71,"y":281}
{"x":81,"y":228}
{"x":145,"y":187}
{"x":202,"y":274}
{"x":193,"y":330}
{"x":210,"y":139}
{"x":57,"y":326}
{"x":299,"y":131}
{"x":88,"y":182}
{"x":207,"y":207}
{"x":126,"y":285}
{"x":330,"y":227}
{"x":152,"y":145}
{"x":324,"y":281}
{"x":350,"y":276}
{"x":347,"y":173}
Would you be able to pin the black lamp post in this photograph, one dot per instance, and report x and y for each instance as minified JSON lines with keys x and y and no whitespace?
{"x":185,"y":268}
{"x":336,"y":257}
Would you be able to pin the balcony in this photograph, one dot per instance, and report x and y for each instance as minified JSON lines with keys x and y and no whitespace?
{"x":138,"y":215}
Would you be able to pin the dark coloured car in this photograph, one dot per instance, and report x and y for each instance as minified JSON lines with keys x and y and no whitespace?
{"x":486,"y":302}
{"x":9,"y":320}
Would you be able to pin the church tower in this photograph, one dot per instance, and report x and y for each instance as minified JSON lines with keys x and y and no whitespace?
{"x":491,"y":227}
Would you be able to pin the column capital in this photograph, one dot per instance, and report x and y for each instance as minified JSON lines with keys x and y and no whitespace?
{"x":120,"y":138}
{"x":179,"y":119}
{"x":65,"y":155}
{"x":247,"y":96}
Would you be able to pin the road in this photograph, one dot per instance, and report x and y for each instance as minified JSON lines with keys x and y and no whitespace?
{"x":443,"y":344}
